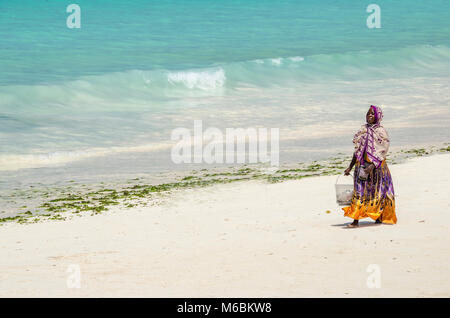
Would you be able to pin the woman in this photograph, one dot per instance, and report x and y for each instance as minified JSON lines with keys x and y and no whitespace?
{"x":374,"y":191}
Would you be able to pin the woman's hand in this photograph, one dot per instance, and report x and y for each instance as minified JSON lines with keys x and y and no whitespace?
{"x":347,"y":171}
{"x":369,"y":168}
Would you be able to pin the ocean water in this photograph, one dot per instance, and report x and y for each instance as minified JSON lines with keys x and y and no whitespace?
{"x":102,"y":100}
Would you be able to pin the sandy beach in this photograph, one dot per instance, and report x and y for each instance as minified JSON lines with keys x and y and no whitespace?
{"x":243,"y":239}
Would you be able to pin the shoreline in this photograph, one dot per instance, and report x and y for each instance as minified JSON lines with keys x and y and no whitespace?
{"x":75,"y":199}
{"x":243,"y":239}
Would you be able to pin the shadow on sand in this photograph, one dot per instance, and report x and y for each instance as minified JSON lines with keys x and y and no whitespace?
{"x":361,"y":224}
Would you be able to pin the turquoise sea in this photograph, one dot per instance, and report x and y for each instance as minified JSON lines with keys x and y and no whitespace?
{"x":103,"y":99}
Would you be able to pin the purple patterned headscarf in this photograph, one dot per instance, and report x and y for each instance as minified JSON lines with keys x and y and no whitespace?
{"x":378,"y":114}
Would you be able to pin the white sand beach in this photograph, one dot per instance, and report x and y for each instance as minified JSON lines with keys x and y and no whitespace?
{"x":243,"y":239}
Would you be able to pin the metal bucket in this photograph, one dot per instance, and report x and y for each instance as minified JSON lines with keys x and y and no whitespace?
{"x":344,"y":193}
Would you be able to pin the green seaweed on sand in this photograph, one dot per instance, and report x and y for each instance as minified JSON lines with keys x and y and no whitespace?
{"x":189,"y":178}
{"x":10,"y":218}
{"x":418,"y":152}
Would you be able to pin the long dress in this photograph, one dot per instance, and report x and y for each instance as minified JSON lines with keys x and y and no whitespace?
{"x":375,"y":197}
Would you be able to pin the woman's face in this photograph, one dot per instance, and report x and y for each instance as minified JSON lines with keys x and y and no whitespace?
{"x":370,"y":117}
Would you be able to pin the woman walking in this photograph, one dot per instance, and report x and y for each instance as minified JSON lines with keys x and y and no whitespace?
{"x":374,"y":190}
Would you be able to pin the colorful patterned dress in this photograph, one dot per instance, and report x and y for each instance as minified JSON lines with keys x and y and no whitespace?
{"x":374,"y":197}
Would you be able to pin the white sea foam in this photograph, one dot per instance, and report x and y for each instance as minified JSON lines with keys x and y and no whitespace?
{"x":277,"y":61}
{"x":205,"y":80}
{"x":296,"y":59}
{"x":58,"y":158}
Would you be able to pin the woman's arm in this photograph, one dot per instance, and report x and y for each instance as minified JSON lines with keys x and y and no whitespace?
{"x":349,"y":169}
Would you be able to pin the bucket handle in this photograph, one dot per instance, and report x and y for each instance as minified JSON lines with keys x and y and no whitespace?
{"x":337,"y":180}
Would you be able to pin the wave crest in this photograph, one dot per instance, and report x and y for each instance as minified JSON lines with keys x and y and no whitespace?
{"x":204,"y":80}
